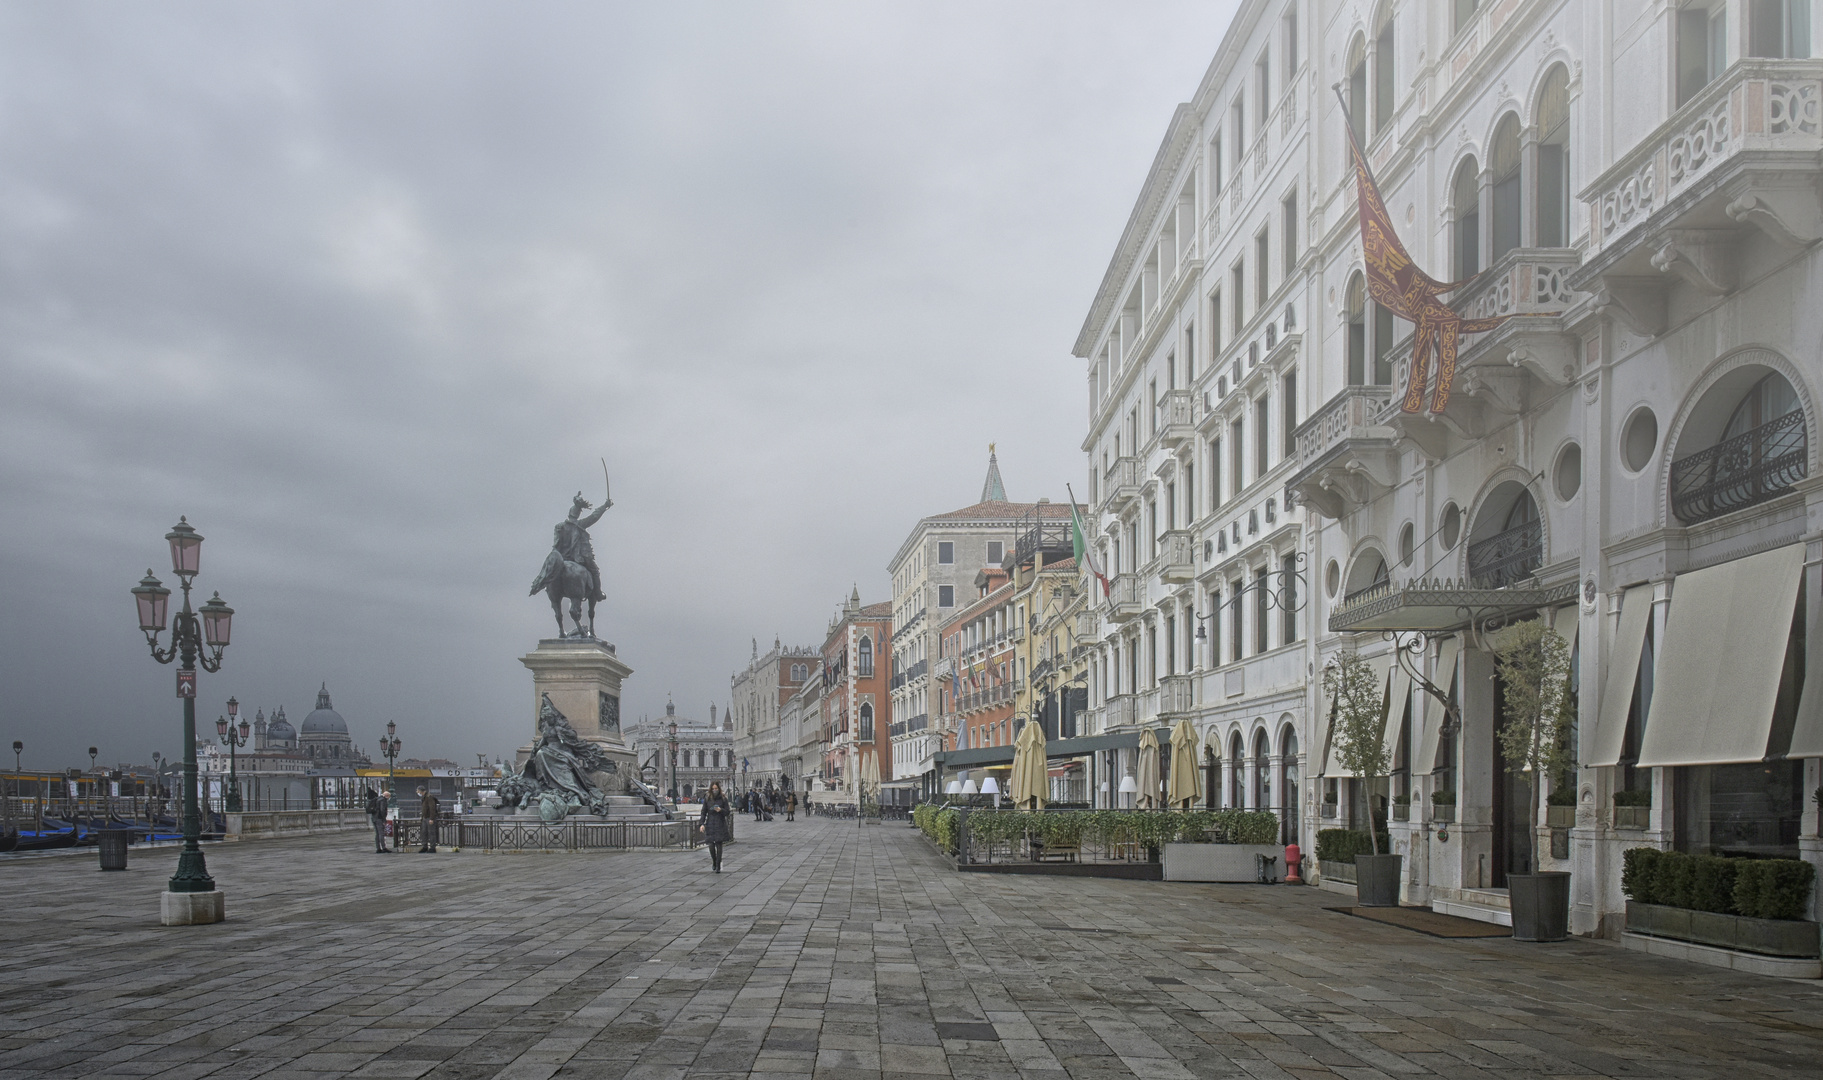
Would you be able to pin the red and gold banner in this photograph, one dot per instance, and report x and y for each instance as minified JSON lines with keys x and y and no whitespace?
{"x":1396,"y":284}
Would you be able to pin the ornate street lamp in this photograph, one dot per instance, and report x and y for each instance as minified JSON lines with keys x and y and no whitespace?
{"x":389,"y":748}
{"x":193,"y":640}
{"x":674,"y":761}
{"x":233,"y":738}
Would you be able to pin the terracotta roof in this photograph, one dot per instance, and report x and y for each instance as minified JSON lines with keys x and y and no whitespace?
{"x":881,"y":610}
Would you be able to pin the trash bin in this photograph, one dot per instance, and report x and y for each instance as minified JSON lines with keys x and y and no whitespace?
{"x":112,"y":843}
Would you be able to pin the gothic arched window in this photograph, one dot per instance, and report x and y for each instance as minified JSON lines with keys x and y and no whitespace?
{"x":865,"y":664}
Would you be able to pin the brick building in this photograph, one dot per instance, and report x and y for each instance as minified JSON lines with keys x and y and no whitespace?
{"x":855,"y":707}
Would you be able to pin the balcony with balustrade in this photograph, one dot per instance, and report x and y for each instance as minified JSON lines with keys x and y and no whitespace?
{"x":1346,"y":453}
{"x":1126,"y":599}
{"x":1120,"y":485}
{"x":1176,"y":697}
{"x":1508,"y":557}
{"x":1176,"y":418}
{"x":1177,"y":556}
{"x":1739,"y":157}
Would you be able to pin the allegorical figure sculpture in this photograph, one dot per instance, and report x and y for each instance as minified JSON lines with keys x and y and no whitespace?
{"x":569,"y":571}
{"x":558,"y":777}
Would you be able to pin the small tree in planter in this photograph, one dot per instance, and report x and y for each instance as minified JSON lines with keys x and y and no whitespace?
{"x":1361,"y":703}
{"x":1534,"y":665}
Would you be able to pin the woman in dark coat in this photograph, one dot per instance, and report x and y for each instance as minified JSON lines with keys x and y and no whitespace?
{"x":718,"y":824}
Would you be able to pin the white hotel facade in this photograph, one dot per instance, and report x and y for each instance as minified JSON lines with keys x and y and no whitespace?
{"x":1636,"y":180}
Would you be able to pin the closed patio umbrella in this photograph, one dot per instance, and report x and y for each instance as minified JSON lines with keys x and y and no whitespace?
{"x":1028,"y":781}
{"x":1147,"y":798}
{"x":1184,"y":774}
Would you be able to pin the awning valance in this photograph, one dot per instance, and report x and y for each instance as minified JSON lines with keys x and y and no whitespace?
{"x":1441,"y":605}
{"x":1443,"y":673}
{"x":1717,"y":677}
{"x":1604,"y":743}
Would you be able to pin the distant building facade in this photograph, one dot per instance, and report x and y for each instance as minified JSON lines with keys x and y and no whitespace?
{"x":705,"y":752}
{"x":756,"y":697}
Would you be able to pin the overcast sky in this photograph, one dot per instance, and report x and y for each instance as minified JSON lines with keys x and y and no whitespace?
{"x":367,"y":290}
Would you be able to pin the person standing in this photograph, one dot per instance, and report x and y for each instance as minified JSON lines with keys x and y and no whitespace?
{"x":376,"y":813}
{"x":427,"y":821}
{"x":791,"y":805}
{"x":718,"y":824}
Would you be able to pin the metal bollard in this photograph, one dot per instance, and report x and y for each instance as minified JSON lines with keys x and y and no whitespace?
{"x":1264,"y":864}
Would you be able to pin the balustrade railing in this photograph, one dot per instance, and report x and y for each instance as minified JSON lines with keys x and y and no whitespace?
{"x":1749,"y":468}
{"x":1527,"y":281}
{"x":1343,"y":417}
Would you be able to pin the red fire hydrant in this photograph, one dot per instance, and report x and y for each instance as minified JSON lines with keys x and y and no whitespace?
{"x":1294,"y":859}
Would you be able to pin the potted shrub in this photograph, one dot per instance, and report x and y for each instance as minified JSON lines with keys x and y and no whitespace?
{"x":1361,"y":702}
{"x":1443,"y":806}
{"x":1329,"y":805}
{"x":1402,"y":807}
{"x":1560,"y":805}
{"x":1534,"y":665}
{"x":1632,"y":809}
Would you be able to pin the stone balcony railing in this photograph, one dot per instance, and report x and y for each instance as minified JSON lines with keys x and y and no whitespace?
{"x":1526,"y":281}
{"x":1352,"y":414}
{"x":1124,"y":598}
{"x":1176,"y":696}
{"x":1088,"y":623}
{"x":1177,"y":418}
{"x":1177,"y":556}
{"x":1755,"y":106}
{"x":1120,"y":485}
{"x":1122,"y":710}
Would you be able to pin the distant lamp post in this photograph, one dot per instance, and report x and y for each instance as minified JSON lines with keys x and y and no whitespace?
{"x":18,"y":748}
{"x":389,"y":749}
{"x":673,"y":734}
{"x":196,"y":637}
{"x":93,"y":754}
{"x":233,"y":738}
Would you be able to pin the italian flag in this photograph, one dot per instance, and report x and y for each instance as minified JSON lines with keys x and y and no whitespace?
{"x":1085,"y":555}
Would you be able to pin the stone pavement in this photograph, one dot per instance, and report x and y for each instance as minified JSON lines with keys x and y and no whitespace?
{"x":826,"y":950}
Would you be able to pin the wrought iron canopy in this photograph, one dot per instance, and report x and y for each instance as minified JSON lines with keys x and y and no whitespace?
{"x":1443,"y":605}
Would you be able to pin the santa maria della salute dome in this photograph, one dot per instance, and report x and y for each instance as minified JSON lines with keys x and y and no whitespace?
{"x":324,"y":734}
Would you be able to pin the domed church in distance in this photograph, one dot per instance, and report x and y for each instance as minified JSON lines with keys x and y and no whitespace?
{"x":323,"y":736}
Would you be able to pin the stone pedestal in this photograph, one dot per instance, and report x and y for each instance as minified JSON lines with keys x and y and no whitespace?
{"x":583,"y":678}
{"x":191,"y":908}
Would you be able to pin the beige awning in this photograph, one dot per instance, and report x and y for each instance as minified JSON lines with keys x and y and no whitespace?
{"x":1565,"y":620}
{"x":1395,"y":714}
{"x":1603,"y":744}
{"x":1442,"y":673}
{"x":1331,"y":767}
{"x":1807,"y":733}
{"x":1717,"y":677}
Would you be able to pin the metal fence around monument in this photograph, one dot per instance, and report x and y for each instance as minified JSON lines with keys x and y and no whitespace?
{"x":561,"y":836}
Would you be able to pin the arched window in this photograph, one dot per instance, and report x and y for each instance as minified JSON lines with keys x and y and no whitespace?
{"x":1507,"y":543}
{"x":1465,"y":214}
{"x":1288,"y":802}
{"x":1552,"y":204}
{"x":1504,"y":161}
{"x":867,"y":722}
{"x":1237,"y":772}
{"x":865,"y":666}
{"x":1262,"y":773}
{"x":1356,"y":310}
{"x":715,"y":759}
{"x":1369,"y":573}
{"x":1357,"y":90}
{"x":1763,"y":449}
{"x":1385,"y":88}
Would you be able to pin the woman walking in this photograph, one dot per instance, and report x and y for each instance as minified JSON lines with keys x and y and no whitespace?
{"x":718,"y":824}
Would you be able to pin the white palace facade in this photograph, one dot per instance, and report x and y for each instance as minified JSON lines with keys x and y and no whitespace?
{"x":1632,"y":457}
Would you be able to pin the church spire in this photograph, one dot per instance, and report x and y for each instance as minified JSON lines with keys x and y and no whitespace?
{"x":992,"y":490}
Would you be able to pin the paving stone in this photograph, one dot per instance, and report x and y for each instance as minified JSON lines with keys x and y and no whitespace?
{"x":827,"y":951}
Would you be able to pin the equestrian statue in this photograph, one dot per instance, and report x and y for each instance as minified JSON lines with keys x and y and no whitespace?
{"x":569,"y":571}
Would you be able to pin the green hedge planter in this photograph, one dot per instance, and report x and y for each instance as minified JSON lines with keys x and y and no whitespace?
{"x":1766,"y":937}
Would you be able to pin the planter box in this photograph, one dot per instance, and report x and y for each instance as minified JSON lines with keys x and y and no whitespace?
{"x":1377,"y":880}
{"x":1560,"y":817}
{"x":1766,"y":937}
{"x":1540,"y":905}
{"x":1632,"y":817}
{"x":1329,"y":811}
{"x":1336,"y":871}
{"x":1443,"y":812}
{"x":1402,"y":813}
{"x":1222,"y":862}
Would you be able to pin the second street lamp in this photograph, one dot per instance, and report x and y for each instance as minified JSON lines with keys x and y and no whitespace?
{"x":233,"y":738}
{"x":191,"y":895}
{"x":389,"y":749}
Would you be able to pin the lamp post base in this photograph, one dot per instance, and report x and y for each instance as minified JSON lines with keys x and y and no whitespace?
{"x":191,"y":908}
